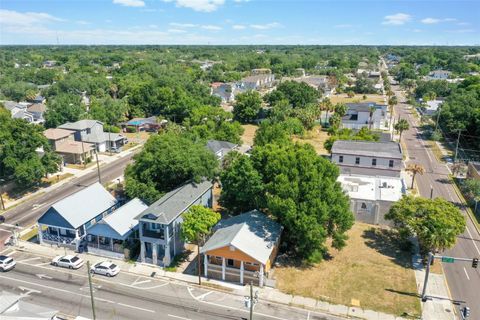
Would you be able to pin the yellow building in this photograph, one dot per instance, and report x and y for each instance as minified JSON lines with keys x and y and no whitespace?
{"x":242,"y":249}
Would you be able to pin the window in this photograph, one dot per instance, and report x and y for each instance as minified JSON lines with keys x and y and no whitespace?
{"x":374,"y":162}
{"x":390,"y":163}
{"x":340,"y":159}
{"x":357,"y":160}
{"x":364,"y":206}
{"x":230,"y":262}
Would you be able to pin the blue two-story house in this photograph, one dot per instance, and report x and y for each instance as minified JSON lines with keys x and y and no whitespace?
{"x":159,"y":224}
{"x":66,"y":222}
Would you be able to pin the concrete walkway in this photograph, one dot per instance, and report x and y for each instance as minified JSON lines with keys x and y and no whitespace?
{"x":102,"y":160}
{"x":266,"y":294}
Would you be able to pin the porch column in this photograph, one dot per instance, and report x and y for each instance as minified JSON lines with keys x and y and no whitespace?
{"x":260,"y":276}
{"x":40,"y":234}
{"x":58,"y":235}
{"x":98,"y":242}
{"x":241,"y":272}
{"x":142,"y":250}
{"x":167,"y":257}
{"x":205,"y":265}
{"x":154,"y":253}
{"x":223,"y":268}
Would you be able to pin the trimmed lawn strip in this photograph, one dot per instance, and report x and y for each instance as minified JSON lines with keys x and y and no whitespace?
{"x":370,"y":269}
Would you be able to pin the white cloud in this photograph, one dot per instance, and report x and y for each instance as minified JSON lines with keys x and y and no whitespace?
{"x":397,"y":19}
{"x":211,"y":27}
{"x":15,"y":18}
{"x":130,"y":3}
{"x":239,"y":27}
{"x":176,"y":31}
{"x":265,"y":26}
{"x":430,"y":20}
{"x":463,"y":23}
{"x":183,"y":25}
{"x":199,"y":5}
{"x":343,"y":26}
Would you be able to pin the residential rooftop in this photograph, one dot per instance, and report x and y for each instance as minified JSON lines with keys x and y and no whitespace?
{"x":55,"y":133}
{"x":252,"y":232}
{"x":79,"y":125}
{"x":174,"y":203}
{"x":389,"y":149}
{"x":74,"y":147}
{"x":218,"y":145}
{"x":363,"y":106}
{"x":372,"y":188}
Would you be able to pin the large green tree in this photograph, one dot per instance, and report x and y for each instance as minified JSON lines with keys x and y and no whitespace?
{"x":167,"y":161}
{"x":436,"y":223}
{"x":64,"y":108}
{"x":20,"y":158}
{"x":298,"y":94}
{"x":247,"y":106}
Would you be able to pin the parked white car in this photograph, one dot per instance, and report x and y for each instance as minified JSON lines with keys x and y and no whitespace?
{"x":68,"y":261}
{"x":6,"y":263}
{"x":105,"y":268}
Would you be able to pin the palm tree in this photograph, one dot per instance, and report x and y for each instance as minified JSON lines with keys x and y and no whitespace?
{"x":327,"y":106}
{"x":370,"y":120}
{"x":401,"y":126}
{"x":392,"y":101}
{"x":415,"y":169}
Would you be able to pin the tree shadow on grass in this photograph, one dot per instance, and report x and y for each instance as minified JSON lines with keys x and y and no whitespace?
{"x":388,"y":243}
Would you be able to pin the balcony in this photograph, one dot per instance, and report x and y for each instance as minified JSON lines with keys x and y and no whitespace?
{"x":153,"y":233}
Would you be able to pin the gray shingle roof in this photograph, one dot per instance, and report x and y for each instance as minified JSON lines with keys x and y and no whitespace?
{"x":84,"y":205}
{"x":363,"y":106}
{"x":252,"y":232}
{"x":175,"y":202}
{"x":368,"y":148}
{"x":217,"y":145}
{"x":79,"y":125}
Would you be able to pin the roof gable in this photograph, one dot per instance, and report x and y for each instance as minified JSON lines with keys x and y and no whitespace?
{"x":53,"y":218}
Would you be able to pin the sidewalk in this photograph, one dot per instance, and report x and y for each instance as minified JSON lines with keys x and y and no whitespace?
{"x":268,"y":295}
{"x":77,"y":173}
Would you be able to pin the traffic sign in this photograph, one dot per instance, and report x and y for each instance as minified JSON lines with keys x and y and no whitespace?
{"x":448,"y":259}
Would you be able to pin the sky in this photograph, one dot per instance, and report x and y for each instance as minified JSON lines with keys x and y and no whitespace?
{"x":212,"y":22}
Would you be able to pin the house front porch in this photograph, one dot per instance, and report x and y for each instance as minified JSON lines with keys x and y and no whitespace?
{"x":233,"y":271}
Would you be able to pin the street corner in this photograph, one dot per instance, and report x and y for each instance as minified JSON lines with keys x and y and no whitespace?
{"x":206,"y":295}
{"x":144,"y":283}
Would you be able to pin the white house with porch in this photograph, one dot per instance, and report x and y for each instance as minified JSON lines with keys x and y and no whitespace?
{"x":66,"y":222}
{"x":113,"y":233}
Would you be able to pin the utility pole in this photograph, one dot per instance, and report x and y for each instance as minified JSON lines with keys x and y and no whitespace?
{"x":109,"y":143}
{"x":1,"y":191}
{"x":438,"y":118}
{"x":83,"y":152}
{"x":98,"y":167}
{"x":427,"y":273}
{"x":91,"y":289}
{"x":456,"y":148}
{"x":431,"y":192}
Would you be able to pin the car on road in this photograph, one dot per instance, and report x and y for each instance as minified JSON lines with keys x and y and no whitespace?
{"x":6,"y":263}
{"x":105,"y":268}
{"x":68,"y":261}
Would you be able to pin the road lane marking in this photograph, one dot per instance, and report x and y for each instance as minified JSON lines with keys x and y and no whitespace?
{"x":28,"y":259}
{"x":178,"y":317}
{"x":53,"y":288}
{"x":473,"y":241}
{"x":134,"y":307}
{"x":466,"y":273}
{"x":202,"y":296}
{"x":308,"y":315}
{"x":43,"y":264}
{"x":28,"y":290}
{"x":43,"y":276}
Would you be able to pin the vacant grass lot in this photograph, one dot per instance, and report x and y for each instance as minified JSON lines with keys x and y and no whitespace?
{"x":249,"y":133}
{"x":343,"y":98}
{"x":370,"y":269}
{"x":316,"y":137}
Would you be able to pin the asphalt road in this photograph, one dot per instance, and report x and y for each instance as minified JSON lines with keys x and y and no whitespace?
{"x":463,"y":280}
{"x":29,"y":211}
{"x":129,"y":296}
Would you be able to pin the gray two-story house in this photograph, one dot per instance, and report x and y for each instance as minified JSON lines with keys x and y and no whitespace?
{"x":368,"y":157}
{"x":159,"y":224}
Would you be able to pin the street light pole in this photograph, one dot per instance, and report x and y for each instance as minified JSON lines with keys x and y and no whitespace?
{"x":1,"y":191}
{"x":424,"y":291}
{"x":98,"y":168}
{"x":456,"y":148}
{"x":91,"y":289}
{"x":251,"y":300}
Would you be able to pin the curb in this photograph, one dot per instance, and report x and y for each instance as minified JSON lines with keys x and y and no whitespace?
{"x":467,"y":209}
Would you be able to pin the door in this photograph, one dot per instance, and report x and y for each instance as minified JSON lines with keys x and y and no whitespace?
{"x":64,"y":262}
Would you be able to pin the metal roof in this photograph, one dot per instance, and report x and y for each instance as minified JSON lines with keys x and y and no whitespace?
{"x":82,"y":206}
{"x":118,"y":224}
{"x":175,"y":202}
{"x":252,"y":232}
{"x":217,"y":145}
{"x":80,"y":125}
{"x":368,"y":148}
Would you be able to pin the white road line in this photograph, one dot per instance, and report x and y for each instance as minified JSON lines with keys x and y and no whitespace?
{"x":200,"y":297}
{"x":134,"y":307}
{"x":43,"y":264}
{"x":53,"y":288}
{"x":473,"y":241}
{"x":308,"y":315}
{"x":466,"y":273}
{"x":174,"y":316}
{"x":29,"y":259}
{"x":136,"y":283}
